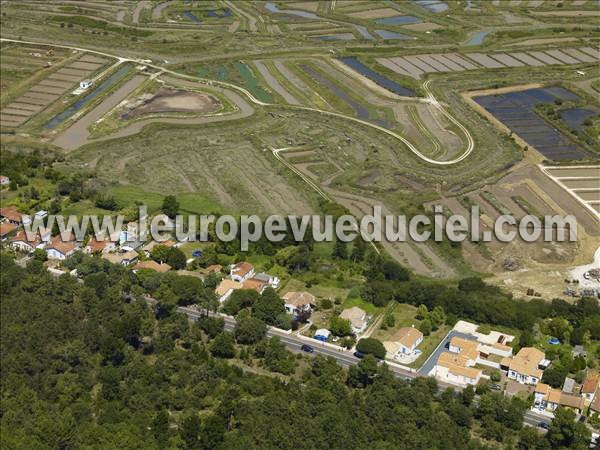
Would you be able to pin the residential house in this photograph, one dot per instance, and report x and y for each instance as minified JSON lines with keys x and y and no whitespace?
{"x":61,"y":247}
{"x":590,"y":386}
{"x":466,"y":348}
{"x":257,"y":285}
{"x":297,"y":302}
{"x":4,"y":180}
{"x":271,"y":280}
{"x":151,"y":265}
{"x":525,"y":366}
{"x":226,"y":288}
{"x":404,"y":343}
{"x":99,"y":246}
{"x":22,"y":243}
{"x":10,"y":214}
{"x":150,"y":245}
{"x":595,"y":406}
{"x":456,"y":369}
{"x":6,"y":229}
{"x":242,"y":271}
{"x":549,"y":399}
{"x":357,"y":317}
{"x":123,"y":258}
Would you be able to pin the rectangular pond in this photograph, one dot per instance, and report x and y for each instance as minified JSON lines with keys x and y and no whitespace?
{"x":360,"y":110}
{"x":398,"y":20}
{"x":104,"y":86}
{"x":516,"y":110}
{"x":382,"y":81}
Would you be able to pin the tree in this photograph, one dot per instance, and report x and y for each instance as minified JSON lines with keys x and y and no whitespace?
{"x":555,"y":376}
{"x":160,"y":253}
{"x":425,"y":327}
{"x":340,"y":327}
{"x":268,"y":306}
{"x":565,"y":432}
{"x":371,"y":346}
{"x":176,"y":259}
{"x":170,"y":206}
{"x":437,"y":317}
{"x":364,"y":373}
{"x":190,"y":431}
{"x":340,"y":249}
{"x":278,"y":358}
{"x":422,"y":312}
{"x":358,"y":249}
{"x":223,"y":345}
{"x":212,"y":326}
{"x":240,"y":299}
{"x":249,"y":330}
{"x":160,"y":428}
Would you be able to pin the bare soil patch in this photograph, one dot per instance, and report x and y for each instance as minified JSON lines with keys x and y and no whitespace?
{"x":168,"y":100}
{"x":424,"y":26}
{"x":375,"y":13}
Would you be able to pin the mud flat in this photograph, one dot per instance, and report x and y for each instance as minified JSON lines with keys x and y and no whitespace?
{"x":76,"y":137}
{"x":168,"y":100}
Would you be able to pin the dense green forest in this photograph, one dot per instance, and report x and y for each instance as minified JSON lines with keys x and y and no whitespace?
{"x":86,"y":363}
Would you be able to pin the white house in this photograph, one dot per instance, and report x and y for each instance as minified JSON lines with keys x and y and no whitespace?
{"x":590,"y":387}
{"x":271,"y":280}
{"x":21,"y":243}
{"x":296,"y":302}
{"x":548,"y":399}
{"x":242,"y":271}
{"x":454,"y":368}
{"x":226,"y":288}
{"x":61,"y":249}
{"x":123,"y":258}
{"x":357,"y":317}
{"x":525,"y":366}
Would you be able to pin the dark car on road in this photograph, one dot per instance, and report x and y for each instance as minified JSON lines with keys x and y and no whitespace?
{"x":307,"y":348}
{"x":543,"y":425}
{"x":358,"y":354}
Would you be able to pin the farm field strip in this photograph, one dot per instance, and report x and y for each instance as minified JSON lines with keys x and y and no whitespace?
{"x":47,"y":90}
{"x":430,"y":98}
{"x":570,"y":179}
{"x":417,"y":65}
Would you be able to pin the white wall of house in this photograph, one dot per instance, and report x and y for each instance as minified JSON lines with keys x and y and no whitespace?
{"x":521,"y":378}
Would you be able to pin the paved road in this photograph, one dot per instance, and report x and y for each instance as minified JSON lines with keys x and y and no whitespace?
{"x":344,"y":357}
{"x":442,"y":347}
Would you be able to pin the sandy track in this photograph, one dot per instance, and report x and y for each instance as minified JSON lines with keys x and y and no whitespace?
{"x":78,"y":135}
{"x":138,"y":9}
{"x":274,"y":84}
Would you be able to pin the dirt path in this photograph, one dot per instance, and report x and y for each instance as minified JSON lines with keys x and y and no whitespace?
{"x":250,"y":18}
{"x":157,"y":11}
{"x":78,"y":134}
{"x":274,"y":83}
{"x":138,"y":9}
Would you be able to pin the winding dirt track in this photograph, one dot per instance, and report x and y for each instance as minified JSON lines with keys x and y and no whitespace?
{"x":78,"y":134}
{"x":429,"y":99}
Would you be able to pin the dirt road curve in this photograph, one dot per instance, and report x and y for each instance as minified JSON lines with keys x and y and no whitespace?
{"x":78,"y":135}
